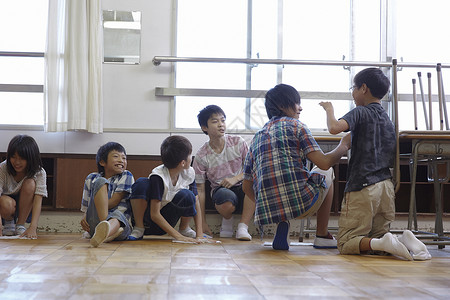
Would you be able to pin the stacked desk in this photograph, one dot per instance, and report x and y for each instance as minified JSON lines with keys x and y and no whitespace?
{"x":433,"y":147}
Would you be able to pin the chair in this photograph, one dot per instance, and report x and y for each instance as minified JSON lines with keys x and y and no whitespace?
{"x":435,"y":152}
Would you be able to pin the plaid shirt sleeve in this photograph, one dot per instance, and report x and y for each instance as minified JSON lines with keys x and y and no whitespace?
{"x":123,"y":184}
{"x":87,"y":191}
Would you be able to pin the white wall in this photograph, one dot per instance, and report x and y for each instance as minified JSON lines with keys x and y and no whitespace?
{"x":133,"y":115}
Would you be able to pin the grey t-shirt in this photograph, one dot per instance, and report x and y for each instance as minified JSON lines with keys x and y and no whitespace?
{"x":373,"y":146}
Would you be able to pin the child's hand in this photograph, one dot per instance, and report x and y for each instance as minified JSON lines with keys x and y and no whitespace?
{"x":347,"y":140}
{"x":85,"y":225}
{"x":327,"y":106}
{"x":228,"y":182}
{"x":187,"y":239}
{"x":30,"y":233}
{"x":207,"y":241}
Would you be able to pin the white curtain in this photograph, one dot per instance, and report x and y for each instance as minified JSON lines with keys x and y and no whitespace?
{"x":73,"y":96}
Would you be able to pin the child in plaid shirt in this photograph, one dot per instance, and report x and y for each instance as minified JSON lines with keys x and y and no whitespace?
{"x":275,"y":173}
{"x":106,"y":197}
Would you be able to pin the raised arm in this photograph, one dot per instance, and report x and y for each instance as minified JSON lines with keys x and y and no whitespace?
{"x":334,"y":126}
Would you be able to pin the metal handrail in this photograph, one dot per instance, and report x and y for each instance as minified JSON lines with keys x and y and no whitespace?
{"x":22,"y":54}
{"x":157,"y":60}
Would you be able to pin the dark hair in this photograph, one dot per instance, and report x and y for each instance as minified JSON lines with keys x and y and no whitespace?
{"x":174,"y":150}
{"x":26,"y":147}
{"x":282,"y":96}
{"x":376,"y":81}
{"x":103,"y":151}
{"x":206,"y":113}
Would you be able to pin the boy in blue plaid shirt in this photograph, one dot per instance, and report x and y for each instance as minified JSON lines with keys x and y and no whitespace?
{"x":106,"y":197}
{"x":275,"y":172}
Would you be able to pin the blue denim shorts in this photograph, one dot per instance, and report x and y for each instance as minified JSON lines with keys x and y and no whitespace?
{"x":92,"y":215}
{"x":235,"y":195}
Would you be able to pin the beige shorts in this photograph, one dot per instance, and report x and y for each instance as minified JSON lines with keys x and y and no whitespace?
{"x":365,"y":213}
{"x":329,"y":178}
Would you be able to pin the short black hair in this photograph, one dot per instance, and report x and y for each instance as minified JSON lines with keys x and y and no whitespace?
{"x":26,"y":147}
{"x":174,"y":150}
{"x":103,"y":151}
{"x":206,"y":113}
{"x":280,"y":97}
{"x":376,"y":81}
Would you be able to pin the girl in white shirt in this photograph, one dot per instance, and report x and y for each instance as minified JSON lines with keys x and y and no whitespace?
{"x":22,"y":187}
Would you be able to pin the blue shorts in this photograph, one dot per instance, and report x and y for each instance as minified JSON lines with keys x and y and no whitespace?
{"x":92,"y":215}
{"x":16,"y":198}
{"x":235,"y":195}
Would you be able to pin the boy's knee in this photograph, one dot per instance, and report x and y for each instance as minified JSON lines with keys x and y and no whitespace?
{"x":186,"y":198}
{"x":226,"y":206}
{"x":98,"y":184}
{"x":139,"y":189}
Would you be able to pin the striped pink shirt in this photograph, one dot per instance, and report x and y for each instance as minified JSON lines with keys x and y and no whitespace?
{"x":217,"y":166}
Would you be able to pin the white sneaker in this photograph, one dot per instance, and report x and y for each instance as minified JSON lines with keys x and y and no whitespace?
{"x":325,"y":243}
{"x":226,"y":230}
{"x":9,"y":228}
{"x":242,"y":232}
{"x":113,"y":237}
{"x":188,"y":232}
{"x":101,"y":233}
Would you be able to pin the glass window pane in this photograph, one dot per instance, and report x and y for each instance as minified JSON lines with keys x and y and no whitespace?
{"x":187,"y":109}
{"x":22,"y":108}
{"x":420,"y":38}
{"x":264,"y":43}
{"x":24,"y":25}
{"x":317,"y":78}
{"x":366,"y":35}
{"x":208,"y":28}
{"x":211,"y":75}
{"x":315,"y":29}
{"x":22,"y":70}
{"x":258,"y":114}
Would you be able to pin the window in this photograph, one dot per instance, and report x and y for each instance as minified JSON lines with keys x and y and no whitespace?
{"x":24,"y":25}
{"x":421,"y":38}
{"x":266,"y":29}
{"x":357,"y":30}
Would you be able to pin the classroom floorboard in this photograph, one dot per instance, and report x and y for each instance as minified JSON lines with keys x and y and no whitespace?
{"x":64,"y":266}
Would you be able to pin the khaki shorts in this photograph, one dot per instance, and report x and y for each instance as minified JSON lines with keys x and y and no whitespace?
{"x":365,"y":213}
{"x":329,"y":178}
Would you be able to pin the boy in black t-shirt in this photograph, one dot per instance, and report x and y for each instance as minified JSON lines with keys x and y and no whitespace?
{"x":368,"y":207}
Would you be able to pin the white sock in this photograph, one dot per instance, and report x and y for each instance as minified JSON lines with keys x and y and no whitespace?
{"x":389,"y":243}
{"x":418,"y":249}
{"x":137,"y":232}
{"x":227,"y":224}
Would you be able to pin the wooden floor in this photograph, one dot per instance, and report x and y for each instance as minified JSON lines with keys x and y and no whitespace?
{"x":58,"y":266}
